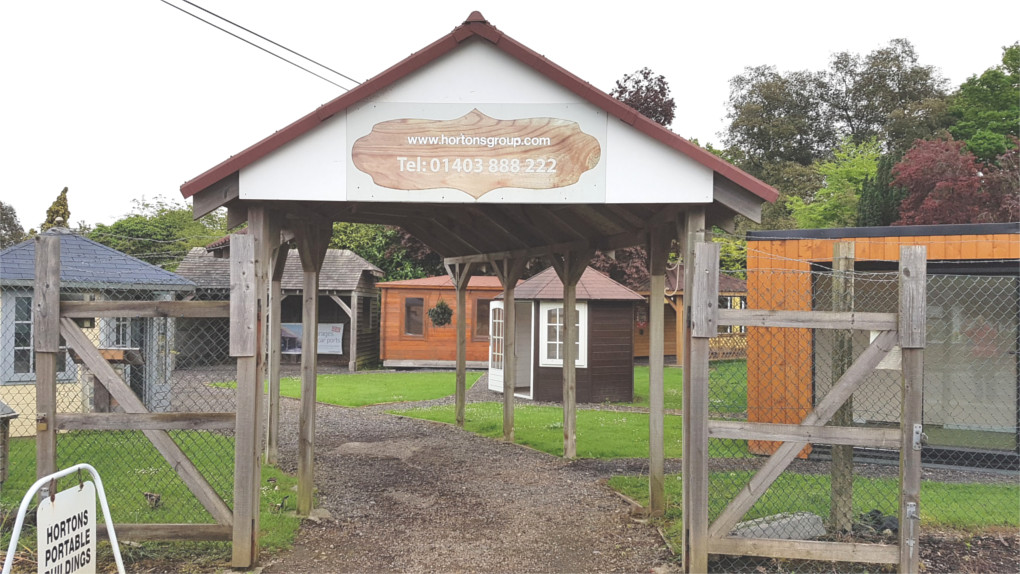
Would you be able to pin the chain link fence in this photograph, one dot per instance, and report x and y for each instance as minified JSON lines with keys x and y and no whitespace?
{"x":851,"y":494}
{"x":172,"y":365}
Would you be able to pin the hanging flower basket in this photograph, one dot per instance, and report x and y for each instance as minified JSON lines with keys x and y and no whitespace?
{"x":441,"y":314}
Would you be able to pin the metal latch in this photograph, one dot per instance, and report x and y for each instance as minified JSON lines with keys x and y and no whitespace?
{"x":919,"y":437}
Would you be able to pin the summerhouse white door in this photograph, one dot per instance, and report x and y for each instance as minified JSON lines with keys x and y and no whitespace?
{"x":496,"y":346}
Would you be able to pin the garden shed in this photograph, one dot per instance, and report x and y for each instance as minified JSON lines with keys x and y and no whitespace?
{"x":970,"y":401}
{"x":348,"y":311}
{"x":411,"y":339}
{"x":604,"y":358}
{"x":730,"y":344}
{"x":89,"y":271}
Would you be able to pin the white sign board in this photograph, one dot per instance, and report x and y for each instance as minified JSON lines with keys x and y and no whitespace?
{"x":331,"y":338}
{"x":67,"y":531}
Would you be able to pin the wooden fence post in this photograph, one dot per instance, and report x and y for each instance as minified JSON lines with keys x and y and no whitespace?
{"x":569,"y":268}
{"x":46,"y":327}
{"x":509,"y":271}
{"x":249,"y":288}
{"x":912,"y":329}
{"x":275,"y":354}
{"x":460,"y":274}
{"x":695,"y":232}
{"x":658,"y":251}
{"x":704,"y":325}
{"x":842,"y":470}
{"x":312,"y":242}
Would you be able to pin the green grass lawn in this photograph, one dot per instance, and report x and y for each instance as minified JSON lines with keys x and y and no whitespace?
{"x":953,"y":505}
{"x":373,"y":388}
{"x":600,"y":434}
{"x":129,"y":466}
{"x":727,"y":387}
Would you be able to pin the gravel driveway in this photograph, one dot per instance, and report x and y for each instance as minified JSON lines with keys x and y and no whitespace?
{"x":407,"y":495}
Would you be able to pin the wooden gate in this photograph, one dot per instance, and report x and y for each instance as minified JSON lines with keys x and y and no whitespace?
{"x":55,"y":319}
{"x":906,"y":329}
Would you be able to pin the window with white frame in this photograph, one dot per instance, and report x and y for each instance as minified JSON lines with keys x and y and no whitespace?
{"x":551,"y":334}
{"x":17,"y":336}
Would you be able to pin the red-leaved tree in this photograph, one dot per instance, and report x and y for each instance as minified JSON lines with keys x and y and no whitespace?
{"x":946,"y":184}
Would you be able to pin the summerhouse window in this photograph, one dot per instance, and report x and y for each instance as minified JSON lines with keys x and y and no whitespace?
{"x":481,"y":328}
{"x":414,"y":316}
{"x":17,"y":334}
{"x":551,"y":334}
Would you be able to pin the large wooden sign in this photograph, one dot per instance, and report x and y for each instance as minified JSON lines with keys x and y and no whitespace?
{"x":476,"y":153}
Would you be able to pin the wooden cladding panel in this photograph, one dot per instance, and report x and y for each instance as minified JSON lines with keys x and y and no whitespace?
{"x":437,"y":343}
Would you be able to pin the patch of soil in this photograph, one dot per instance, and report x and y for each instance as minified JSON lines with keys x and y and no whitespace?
{"x":408,"y":495}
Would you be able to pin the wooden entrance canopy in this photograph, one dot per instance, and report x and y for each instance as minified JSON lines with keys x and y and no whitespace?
{"x":487,"y":152}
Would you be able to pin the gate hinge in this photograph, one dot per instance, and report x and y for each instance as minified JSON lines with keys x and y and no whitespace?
{"x":919,"y":437}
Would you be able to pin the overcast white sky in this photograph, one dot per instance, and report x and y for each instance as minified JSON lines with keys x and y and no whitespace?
{"x":122,"y":99}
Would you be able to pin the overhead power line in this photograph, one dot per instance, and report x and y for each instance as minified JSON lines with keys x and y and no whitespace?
{"x":264,"y":49}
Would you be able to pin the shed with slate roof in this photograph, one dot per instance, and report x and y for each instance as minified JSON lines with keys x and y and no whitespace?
{"x":89,"y":271}
{"x":347,"y":283}
{"x":605,"y":345}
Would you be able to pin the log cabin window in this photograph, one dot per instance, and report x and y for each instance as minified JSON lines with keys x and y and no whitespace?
{"x":480,"y":332}
{"x":414,"y":316}
{"x":551,"y":334}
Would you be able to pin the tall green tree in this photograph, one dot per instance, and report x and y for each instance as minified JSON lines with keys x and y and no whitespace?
{"x":160,"y":232}
{"x":879,"y":204}
{"x":866,"y":97}
{"x":11,"y":231}
{"x":389,"y":248}
{"x":835,"y":204}
{"x":57,"y":210}
{"x":986,"y":108}
{"x":775,"y":118}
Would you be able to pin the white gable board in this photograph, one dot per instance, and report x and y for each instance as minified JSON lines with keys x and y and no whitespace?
{"x":476,"y":92}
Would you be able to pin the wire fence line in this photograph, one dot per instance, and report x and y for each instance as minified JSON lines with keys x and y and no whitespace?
{"x":970,"y":412}
{"x":172,"y":365}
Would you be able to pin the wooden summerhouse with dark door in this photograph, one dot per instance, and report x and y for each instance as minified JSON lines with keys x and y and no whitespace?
{"x":411,"y":339}
{"x":491,"y":155}
{"x":731,"y":342}
{"x":971,"y":383}
{"x":605,"y":356}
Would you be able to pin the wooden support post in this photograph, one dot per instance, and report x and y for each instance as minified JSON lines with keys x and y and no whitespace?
{"x":352,"y":364}
{"x":570,"y":267}
{"x":841,"y":513}
{"x":249,"y":262}
{"x":46,"y":332}
{"x":659,"y":239}
{"x":694,"y":232}
{"x":460,"y":274}
{"x":704,"y":297}
{"x":275,"y":355}
{"x":312,"y":241}
{"x":509,"y":271}
{"x":913,"y":304}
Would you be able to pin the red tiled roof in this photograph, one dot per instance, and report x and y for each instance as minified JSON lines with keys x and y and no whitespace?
{"x":477,"y":26}
{"x":593,"y":286}
{"x":443,"y":281}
